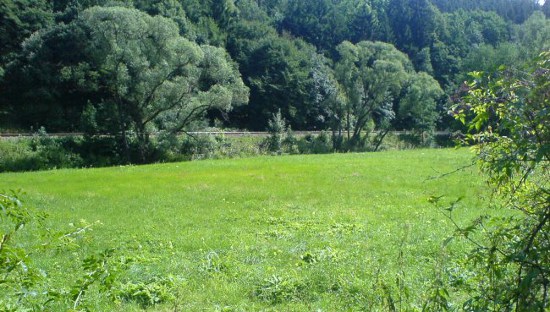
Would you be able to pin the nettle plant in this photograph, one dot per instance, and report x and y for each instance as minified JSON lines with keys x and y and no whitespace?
{"x":25,"y":286}
{"x":19,"y":280}
{"x":508,"y":115}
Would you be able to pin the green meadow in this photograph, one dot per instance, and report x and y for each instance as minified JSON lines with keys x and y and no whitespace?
{"x":282,"y":233}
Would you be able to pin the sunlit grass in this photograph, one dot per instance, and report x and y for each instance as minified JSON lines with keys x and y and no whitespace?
{"x":332,"y":229}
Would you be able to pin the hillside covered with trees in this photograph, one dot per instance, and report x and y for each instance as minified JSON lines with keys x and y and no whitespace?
{"x":131,"y":68}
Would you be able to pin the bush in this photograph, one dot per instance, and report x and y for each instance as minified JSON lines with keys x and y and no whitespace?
{"x":277,"y":129}
{"x":202,"y":146}
{"x":99,"y":152}
{"x":41,"y":152}
{"x":311,"y":144}
{"x":508,"y":121}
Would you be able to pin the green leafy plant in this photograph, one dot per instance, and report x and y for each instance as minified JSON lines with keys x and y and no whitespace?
{"x":97,"y":269}
{"x":26,"y":286}
{"x":277,"y":128}
{"x":148,"y":293}
{"x":278,"y":289}
{"x":17,"y":276}
{"x":509,"y":122}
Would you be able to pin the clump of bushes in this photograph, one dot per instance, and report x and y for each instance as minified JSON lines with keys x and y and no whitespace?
{"x":38,"y":153}
{"x":44,"y":152}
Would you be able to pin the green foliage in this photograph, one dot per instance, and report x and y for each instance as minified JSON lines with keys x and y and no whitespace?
{"x":41,"y":152}
{"x":277,"y":289}
{"x":132,"y":73}
{"x":277,"y":129}
{"x":279,"y":71}
{"x":96,"y":269}
{"x":509,"y":122}
{"x":19,"y":278}
{"x":202,"y":146}
{"x":516,"y":10}
{"x":315,"y":144}
{"x":148,"y":293}
{"x":54,"y":64}
{"x":27,"y":285}
{"x":417,"y":110}
{"x":376,"y":79}
{"x":20,"y":18}
{"x":24,"y":284}
{"x":324,"y":23}
{"x":413,"y":24}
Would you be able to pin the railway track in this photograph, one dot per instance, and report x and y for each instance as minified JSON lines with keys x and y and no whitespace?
{"x":8,"y":135}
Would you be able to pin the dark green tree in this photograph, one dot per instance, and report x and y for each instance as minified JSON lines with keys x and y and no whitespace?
{"x":322,"y":23}
{"x":171,"y":9}
{"x":18,"y":20}
{"x":413,"y":24}
{"x":278,"y":71}
{"x":417,"y":106}
{"x":378,"y":84}
{"x":533,"y":35}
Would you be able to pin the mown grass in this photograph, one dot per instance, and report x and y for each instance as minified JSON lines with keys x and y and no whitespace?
{"x":289,"y":233}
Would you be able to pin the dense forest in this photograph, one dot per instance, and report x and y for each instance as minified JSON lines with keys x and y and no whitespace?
{"x":131,"y":68}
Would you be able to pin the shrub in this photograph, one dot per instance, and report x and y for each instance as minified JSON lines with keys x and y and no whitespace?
{"x":277,"y":129}
{"x":38,"y":153}
{"x":508,"y":120}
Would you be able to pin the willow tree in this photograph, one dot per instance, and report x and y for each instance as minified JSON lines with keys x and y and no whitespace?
{"x":371,"y":75}
{"x":137,"y":74}
{"x":375,"y":80}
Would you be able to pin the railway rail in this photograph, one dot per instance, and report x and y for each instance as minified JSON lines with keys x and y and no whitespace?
{"x":7,"y":135}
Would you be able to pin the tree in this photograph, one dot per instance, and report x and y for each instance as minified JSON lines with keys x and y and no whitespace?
{"x":378,"y":84}
{"x":488,"y":58}
{"x":371,"y":75}
{"x":171,"y":9}
{"x":19,"y":19}
{"x":139,"y":74}
{"x":367,"y":20}
{"x":413,"y":23}
{"x":322,"y":23}
{"x":278,"y":72}
{"x":34,"y":92}
{"x":510,"y":127}
{"x":417,"y":106}
{"x":534,"y":35}
{"x":513,"y":10}
{"x":328,"y":97}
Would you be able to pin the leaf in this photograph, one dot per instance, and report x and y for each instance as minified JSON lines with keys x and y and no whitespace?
{"x":447,"y":241}
{"x":435,"y":199}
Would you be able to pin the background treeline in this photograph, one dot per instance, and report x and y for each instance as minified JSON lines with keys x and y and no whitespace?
{"x":133,"y":68}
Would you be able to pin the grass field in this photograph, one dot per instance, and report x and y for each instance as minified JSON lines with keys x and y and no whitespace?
{"x":289,"y":233}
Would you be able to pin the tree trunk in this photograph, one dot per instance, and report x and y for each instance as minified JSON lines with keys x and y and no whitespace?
{"x":143,"y":142}
{"x":379,"y":138}
{"x":124,"y":137}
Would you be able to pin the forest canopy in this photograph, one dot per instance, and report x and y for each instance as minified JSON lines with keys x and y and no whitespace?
{"x":153,"y":63}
